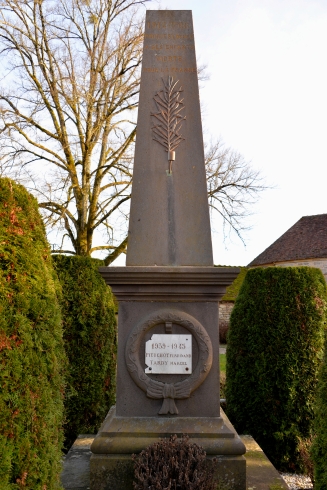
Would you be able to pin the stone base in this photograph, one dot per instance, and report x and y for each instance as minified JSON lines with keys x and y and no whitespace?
{"x":111,"y":472}
{"x":115,"y":472}
{"x":260,"y":473}
{"x":128,"y":435}
{"x":76,"y":465}
{"x":120,"y":437}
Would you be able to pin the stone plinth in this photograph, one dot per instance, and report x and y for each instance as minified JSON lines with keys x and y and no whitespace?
{"x":149,"y":299}
{"x":119,"y":437}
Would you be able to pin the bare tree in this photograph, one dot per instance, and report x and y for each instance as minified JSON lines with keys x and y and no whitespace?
{"x":68,"y":129}
{"x":233,"y":185}
{"x":73,"y":71}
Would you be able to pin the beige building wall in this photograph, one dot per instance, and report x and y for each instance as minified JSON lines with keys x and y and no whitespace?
{"x":225,"y":307}
{"x":318,"y":263}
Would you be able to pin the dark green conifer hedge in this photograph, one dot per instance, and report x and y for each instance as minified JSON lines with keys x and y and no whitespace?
{"x":319,"y":448}
{"x":31,"y":348}
{"x":89,"y":324}
{"x":275,"y":346}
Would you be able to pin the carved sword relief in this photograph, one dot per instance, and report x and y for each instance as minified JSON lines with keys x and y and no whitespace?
{"x":169,"y":119}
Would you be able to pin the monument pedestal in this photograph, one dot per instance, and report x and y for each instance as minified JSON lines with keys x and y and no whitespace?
{"x":120,"y":437}
{"x":152,"y":300}
{"x":168,"y":336}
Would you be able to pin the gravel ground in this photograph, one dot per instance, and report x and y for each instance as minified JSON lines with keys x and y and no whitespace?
{"x":296,"y":482}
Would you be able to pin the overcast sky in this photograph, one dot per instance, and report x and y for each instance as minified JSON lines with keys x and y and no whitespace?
{"x":267,"y":99}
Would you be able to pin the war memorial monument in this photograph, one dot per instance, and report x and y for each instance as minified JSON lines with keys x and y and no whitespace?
{"x":168,"y":293}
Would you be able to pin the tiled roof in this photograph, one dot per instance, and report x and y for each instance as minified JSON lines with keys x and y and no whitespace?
{"x":307,"y":239}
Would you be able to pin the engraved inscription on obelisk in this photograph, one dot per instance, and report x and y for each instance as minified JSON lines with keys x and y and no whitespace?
{"x":169,"y":220}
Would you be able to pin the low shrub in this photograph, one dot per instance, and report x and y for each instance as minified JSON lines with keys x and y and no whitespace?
{"x":319,"y":447}
{"x":173,"y":464}
{"x":274,"y":351}
{"x":32,"y":357}
{"x":89,"y":325}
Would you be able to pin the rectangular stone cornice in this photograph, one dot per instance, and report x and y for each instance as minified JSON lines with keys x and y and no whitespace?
{"x":136,"y":283}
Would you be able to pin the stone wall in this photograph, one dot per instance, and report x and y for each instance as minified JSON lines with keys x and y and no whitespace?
{"x":225,"y":309}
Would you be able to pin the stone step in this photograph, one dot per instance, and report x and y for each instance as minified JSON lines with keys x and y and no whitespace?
{"x":261,"y":474}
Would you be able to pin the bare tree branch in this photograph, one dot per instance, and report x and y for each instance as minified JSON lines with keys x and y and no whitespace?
{"x":75,"y":67}
{"x":61,"y":251}
{"x":67,"y":123}
{"x":233,"y":185}
{"x":113,"y":256}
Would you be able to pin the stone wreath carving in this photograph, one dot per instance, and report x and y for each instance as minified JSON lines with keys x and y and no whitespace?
{"x":168,"y":391}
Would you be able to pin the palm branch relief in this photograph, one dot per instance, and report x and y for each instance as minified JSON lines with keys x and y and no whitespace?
{"x":169,"y":119}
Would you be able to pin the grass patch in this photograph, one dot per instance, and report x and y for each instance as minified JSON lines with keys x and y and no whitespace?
{"x":222,"y":363}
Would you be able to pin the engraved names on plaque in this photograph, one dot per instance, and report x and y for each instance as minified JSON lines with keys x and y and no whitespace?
{"x":168,"y":354}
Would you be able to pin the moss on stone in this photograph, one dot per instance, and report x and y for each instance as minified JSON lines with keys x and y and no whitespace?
{"x":233,"y":290}
{"x":276,"y":486}
{"x":255,"y":455}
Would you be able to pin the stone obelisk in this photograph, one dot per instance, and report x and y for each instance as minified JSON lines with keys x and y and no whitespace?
{"x":168,"y":293}
{"x":169,"y":220}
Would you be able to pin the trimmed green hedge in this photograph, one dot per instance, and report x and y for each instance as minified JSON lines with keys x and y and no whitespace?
{"x":274,"y":350}
{"x":31,"y":348}
{"x":90,"y":341}
{"x":319,"y":448}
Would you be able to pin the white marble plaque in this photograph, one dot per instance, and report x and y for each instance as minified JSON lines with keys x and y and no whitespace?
{"x":169,"y":354}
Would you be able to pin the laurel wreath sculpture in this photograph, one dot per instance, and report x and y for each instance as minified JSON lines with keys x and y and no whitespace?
{"x":168,"y":391}
{"x":169,"y":117}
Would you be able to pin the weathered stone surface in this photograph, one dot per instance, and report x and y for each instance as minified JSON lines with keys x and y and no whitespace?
{"x":261,"y":474}
{"x":111,"y":472}
{"x":116,"y":473}
{"x":169,"y":220}
{"x":76,"y":468}
{"x":126,"y":435}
